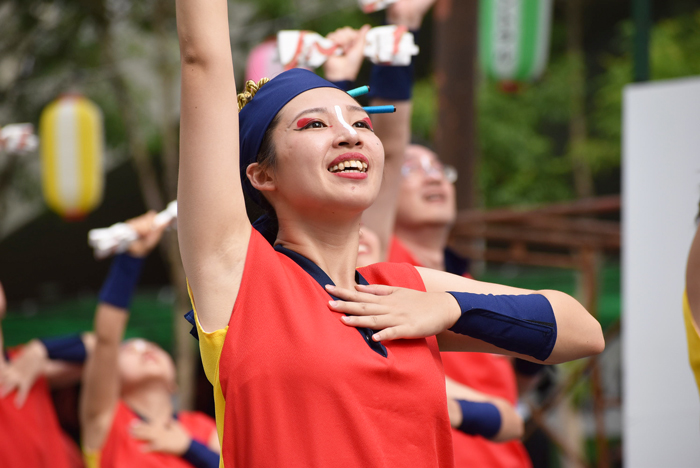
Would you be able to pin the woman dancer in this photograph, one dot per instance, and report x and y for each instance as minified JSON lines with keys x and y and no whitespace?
{"x":293,"y":385}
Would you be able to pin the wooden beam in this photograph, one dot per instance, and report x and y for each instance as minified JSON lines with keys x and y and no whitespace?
{"x":455,"y":75}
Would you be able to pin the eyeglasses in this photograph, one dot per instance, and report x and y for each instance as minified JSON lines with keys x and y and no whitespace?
{"x":430,"y":168}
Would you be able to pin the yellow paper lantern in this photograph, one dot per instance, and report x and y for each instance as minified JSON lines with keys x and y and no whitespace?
{"x":72,"y":149}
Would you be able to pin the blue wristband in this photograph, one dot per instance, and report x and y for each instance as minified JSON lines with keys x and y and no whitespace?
{"x":121,"y":281}
{"x":524,"y":324}
{"x":201,"y":456}
{"x":479,"y":418}
{"x":65,"y":348}
{"x":527,"y":368}
{"x":345,"y":85}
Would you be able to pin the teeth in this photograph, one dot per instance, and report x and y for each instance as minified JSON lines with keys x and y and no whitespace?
{"x":350,"y":166}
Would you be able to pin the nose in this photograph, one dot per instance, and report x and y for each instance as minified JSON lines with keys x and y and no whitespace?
{"x":346,"y":134}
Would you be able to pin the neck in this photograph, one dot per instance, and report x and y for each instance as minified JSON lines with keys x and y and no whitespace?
{"x":426,"y":243}
{"x":150,"y":400}
{"x":330,"y":243}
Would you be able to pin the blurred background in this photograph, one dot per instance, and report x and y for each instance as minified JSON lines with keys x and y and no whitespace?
{"x":539,"y":157}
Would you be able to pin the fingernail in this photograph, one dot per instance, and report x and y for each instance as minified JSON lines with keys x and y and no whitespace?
{"x":332,"y":303}
{"x":345,"y":319}
{"x":376,"y":337}
{"x":329,"y":286}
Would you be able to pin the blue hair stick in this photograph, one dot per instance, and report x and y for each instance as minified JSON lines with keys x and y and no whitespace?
{"x":359,"y":91}
{"x":380,"y":109}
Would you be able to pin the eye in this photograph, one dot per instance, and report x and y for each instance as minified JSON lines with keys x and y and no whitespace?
{"x":364,"y":123}
{"x":303,"y":124}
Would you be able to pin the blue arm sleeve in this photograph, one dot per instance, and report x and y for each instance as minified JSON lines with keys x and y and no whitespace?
{"x":479,"y":418}
{"x":65,"y":348}
{"x":121,"y":281}
{"x":201,"y":456}
{"x":524,"y":324}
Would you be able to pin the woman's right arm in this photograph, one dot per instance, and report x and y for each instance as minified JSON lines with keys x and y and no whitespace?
{"x":213,"y":227}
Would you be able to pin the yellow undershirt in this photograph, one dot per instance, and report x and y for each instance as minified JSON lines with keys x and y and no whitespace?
{"x":210,"y":346}
{"x":691,"y":330}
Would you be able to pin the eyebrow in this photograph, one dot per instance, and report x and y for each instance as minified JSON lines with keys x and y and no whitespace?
{"x":311,"y":111}
{"x":325,"y":110}
{"x":356,"y":108}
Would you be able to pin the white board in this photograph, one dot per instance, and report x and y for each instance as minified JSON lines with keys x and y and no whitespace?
{"x":661,"y":189}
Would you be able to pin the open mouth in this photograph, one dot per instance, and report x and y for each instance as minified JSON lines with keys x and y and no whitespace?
{"x":351,"y":165}
{"x":434,"y":197}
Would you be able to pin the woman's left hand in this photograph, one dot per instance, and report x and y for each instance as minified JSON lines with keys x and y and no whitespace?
{"x":397,"y":312}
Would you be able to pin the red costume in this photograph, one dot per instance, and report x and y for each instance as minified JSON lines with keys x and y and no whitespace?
{"x":122,"y":450}
{"x":295,"y":387}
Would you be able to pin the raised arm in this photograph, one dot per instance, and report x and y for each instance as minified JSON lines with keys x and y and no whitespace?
{"x":392,"y":85}
{"x":101,"y":386}
{"x":213,"y":228}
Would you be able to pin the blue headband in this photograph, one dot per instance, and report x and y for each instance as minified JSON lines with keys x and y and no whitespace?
{"x":256,"y":116}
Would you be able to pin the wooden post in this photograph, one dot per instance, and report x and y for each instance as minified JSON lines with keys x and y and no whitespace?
{"x":455,"y":74}
{"x":590,"y":262}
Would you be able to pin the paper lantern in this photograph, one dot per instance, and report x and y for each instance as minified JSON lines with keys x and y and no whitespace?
{"x":514,"y":38}
{"x":72,"y":147}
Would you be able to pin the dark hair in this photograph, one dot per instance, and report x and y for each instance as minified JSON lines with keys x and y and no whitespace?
{"x":267,"y":159}
{"x":420,"y":141}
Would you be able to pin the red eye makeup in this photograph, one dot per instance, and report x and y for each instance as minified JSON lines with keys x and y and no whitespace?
{"x":368,"y":122}
{"x":301,"y":123}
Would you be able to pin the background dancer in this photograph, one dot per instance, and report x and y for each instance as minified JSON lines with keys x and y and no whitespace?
{"x":30,"y":434}
{"x":126,"y":409}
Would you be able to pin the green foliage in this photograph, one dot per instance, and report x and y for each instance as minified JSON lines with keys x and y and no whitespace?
{"x":425,"y":108}
{"x":520,"y":161}
{"x":674,"y":53}
{"x":525,"y":154}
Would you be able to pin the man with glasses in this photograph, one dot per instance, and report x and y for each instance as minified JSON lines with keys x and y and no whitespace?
{"x":426,"y":211}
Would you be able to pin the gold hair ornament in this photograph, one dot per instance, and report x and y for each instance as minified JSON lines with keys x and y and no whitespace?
{"x":251,"y":88}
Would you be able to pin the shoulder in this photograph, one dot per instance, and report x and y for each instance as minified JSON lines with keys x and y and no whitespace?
{"x":393,"y":274}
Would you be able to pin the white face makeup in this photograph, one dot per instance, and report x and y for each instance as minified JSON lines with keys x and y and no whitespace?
{"x":339,"y":113}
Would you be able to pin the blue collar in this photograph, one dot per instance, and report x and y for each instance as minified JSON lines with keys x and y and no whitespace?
{"x":454,"y":263}
{"x":323,"y":279}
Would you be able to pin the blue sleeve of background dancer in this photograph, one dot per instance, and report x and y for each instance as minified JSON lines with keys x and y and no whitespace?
{"x":479,"y":418}
{"x":201,"y":456}
{"x":65,"y":348}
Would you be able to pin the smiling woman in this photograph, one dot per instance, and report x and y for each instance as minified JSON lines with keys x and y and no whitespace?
{"x":296,"y":382}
